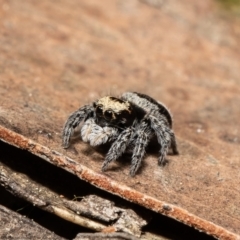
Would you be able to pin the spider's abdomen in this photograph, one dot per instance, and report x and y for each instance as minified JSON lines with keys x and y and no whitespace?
{"x":149,"y":105}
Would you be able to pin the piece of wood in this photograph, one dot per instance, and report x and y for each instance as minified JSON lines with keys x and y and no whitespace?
{"x":85,"y":213}
{"x":16,"y":226}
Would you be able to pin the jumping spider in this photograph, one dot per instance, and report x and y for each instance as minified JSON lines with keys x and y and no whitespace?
{"x":128,"y":122}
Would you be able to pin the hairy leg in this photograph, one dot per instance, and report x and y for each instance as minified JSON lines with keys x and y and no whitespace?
{"x":97,"y":135}
{"x":118,"y":147}
{"x":174,"y":145}
{"x":73,"y":121}
{"x":139,"y":151}
{"x":164,"y":135}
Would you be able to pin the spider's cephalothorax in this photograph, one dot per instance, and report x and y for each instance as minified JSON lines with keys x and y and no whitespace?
{"x":111,"y":111}
{"x":128,"y":122}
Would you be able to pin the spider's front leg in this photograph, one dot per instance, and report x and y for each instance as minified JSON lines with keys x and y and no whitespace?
{"x":73,"y":121}
{"x":165,"y":136}
{"x":118,"y":147}
{"x":97,"y":135}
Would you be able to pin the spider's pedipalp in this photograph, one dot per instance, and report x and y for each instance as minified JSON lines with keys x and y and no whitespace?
{"x":118,"y":147}
{"x":88,"y":127}
{"x":103,"y":135}
{"x":97,"y":135}
{"x":73,"y":121}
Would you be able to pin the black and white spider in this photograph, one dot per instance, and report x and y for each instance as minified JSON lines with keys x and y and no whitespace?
{"x":128,"y":122}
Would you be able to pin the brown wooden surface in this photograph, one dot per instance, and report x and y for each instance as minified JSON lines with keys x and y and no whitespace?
{"x":55,"y":57}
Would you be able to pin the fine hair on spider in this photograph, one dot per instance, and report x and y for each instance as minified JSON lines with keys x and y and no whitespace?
{"x":128,"y":122}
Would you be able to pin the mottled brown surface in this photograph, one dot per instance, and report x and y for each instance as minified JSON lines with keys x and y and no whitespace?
{"x":56,"y":57}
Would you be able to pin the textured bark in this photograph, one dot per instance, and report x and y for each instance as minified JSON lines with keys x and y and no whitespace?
{"x":84,"y":213}
{"x":105,"y":236}
{"x":16,"y":226}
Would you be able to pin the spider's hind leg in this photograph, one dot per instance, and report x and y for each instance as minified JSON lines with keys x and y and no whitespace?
{"x":165,"y":137}
{"x":174,"y":145}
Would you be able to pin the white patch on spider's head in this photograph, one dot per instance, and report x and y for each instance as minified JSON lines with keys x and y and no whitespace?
{"x":115,"y":104}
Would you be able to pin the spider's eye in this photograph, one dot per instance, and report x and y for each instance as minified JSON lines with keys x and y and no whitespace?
{"x":99,"y":111}
{"x":108,"y":115}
